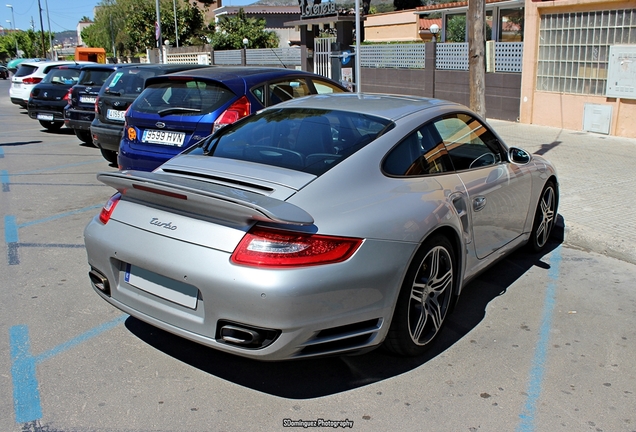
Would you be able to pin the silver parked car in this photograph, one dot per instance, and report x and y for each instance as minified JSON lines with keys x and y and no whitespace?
{"x":323,"y":225}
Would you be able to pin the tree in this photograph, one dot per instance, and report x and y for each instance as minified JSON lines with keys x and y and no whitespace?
{"x":130,"y":25}
{"x":406,"y":4}
{"x":456,"y":29}
{"x":231,"y":30}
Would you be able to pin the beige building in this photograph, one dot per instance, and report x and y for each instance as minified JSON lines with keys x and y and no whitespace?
{"x":399,"y":26}
{"x":567,"y":63}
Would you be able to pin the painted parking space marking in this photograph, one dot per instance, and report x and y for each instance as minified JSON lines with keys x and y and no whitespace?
{"x":1,"y":153}
{"x":4,"y":179}
{"x":26,"y":389}
{"x":537,"y":372}
{"x":11,"y":237}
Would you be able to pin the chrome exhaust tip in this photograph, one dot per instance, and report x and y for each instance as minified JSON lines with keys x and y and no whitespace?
{"x":245,"y":336}
{"x":99,"y":281}
{"x":240,"y":336}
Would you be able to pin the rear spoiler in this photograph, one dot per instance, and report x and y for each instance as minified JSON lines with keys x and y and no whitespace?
{"x":204,"y":198}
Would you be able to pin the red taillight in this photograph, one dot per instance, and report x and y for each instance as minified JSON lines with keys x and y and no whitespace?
{"x":68,"y":95}
{"x":238,"y":110}
{"x":264,"y":247}
{"x":31,"y":80}
{"x":96,"y":101}
{"x":109,"y":207}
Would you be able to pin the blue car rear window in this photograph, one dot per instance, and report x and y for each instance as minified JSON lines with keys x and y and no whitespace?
{"x":307,"y":140}
{"x":182,"y":98}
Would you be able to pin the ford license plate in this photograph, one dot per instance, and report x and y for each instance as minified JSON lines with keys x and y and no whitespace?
{"x":163,"y":137}
{"x":88,"y":99}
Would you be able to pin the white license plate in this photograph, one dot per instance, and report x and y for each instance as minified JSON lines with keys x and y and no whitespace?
{"x":161,"y":286}
{"x":163,"y":137}
{"x":47,"y":117}
{"x":88,"y":99}
{"x":118,"y":115}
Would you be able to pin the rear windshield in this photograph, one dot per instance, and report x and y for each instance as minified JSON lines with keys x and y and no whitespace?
{"x":182,"y":98}
{"x":25,"y":70}
{"x":128,"y":82}
{"x":92,"y":77}
{"x":62,"y":76}
{"x":307,"y":140}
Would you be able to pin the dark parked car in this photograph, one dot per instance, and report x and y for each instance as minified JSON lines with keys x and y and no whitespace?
{"x":4,"y":72}
{"x":49,"y":97}
{"x":115,"y":96}
{"x":178,"y":110}
{"x":80,"y":111}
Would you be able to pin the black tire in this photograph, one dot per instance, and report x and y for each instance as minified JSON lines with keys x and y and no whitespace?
{"x":51,"y":125}
{"x":544,"y":218}
{"x":84,"y":136}
{"x":425,"y":298}
{"x":110,"y":156}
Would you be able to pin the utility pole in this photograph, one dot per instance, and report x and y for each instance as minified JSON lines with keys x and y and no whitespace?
{"x":158,"y":33}
{"x":42,"y":28}
{"x":476,"y":55}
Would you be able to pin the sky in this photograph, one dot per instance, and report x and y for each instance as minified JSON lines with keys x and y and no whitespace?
{"x":63,"y":14}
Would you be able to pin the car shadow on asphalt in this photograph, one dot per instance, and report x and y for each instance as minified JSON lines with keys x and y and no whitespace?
{"x":312,"y":378}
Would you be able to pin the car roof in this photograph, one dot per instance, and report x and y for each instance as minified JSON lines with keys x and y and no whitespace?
{"x":169,"y":67}
{"x":229,"y":72}
{"x":41,"y":64}
{"x":391,"y":107}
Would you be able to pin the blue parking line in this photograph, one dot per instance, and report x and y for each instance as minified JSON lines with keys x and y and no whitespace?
{"x":10,"y":229}
{"x":537,"y":372}
{"x":12,"y":239}
{"x":26,"y":389}
{"x":1,"y":153}
{"x":4,"y":179}
{"x":26,"y":393}
{"x":57,"y":167}
{"x":59,"y":216}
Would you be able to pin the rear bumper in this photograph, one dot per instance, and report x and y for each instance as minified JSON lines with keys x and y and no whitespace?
{"x":79,"y":119}
{"x":19,"y":101}
{"x":106,"y":136}
{"x":316,"y":311}
{"x":57,"y":116}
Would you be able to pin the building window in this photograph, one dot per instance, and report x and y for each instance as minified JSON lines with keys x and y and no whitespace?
{"x":574,"y":49}
{"x":511,"y":25}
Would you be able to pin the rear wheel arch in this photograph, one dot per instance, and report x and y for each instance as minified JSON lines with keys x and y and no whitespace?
{"x":439,"y":301}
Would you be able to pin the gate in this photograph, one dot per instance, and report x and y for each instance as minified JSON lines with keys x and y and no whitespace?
{"x":322,"y":56}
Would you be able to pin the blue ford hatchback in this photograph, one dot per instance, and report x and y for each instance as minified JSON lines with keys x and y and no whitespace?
{"x":176,"y":111}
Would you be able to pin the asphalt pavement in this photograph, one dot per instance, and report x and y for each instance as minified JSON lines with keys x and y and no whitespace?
{"x":597,"y":176}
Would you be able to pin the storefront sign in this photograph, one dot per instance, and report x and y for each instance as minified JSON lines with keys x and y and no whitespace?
{"x":317,"y":10}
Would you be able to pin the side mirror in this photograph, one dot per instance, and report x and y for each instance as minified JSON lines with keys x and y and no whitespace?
{"x":519,"y":156}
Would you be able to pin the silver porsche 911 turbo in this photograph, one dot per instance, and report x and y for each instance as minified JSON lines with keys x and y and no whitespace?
{"x":324,"y":225}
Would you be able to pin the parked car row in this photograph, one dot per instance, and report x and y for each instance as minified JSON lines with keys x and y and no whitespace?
{"x":141,"y":115}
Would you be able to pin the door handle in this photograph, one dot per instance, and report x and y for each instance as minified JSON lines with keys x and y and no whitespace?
{"x":479,"y":203}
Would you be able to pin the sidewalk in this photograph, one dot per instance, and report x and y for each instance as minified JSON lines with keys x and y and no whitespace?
{"x":597,"y":177}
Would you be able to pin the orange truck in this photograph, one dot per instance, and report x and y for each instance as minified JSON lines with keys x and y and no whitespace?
{"x":97,"y":55}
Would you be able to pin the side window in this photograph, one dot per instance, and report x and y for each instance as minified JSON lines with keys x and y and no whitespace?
{"x":323,"y":87}
{"x":285,"y":90}
{"x":421,"y":153}
{"x":259,"y":93}
{"x":468,"y":142}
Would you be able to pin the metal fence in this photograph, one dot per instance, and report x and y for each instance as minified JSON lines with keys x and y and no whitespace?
{"x":394,"y":56}
{"x":286,"y":57}
{"x":450,"y":56}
